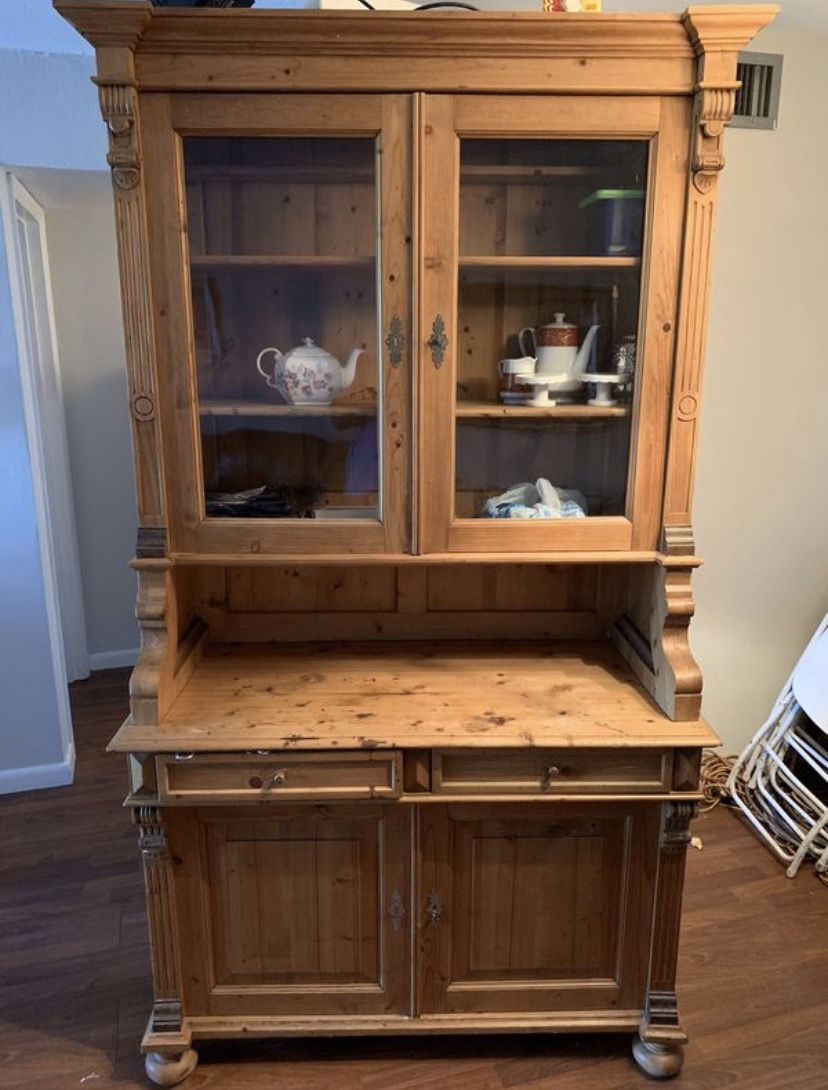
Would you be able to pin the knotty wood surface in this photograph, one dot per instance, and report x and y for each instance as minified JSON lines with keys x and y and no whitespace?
{"x":75,"y":978}
{"x":412,"y":693}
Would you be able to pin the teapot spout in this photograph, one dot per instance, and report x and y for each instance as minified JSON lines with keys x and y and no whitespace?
{"x":582,"y":359}
{"x":349,"y":370}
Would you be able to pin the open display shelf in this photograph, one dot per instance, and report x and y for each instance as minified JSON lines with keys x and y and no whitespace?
{"x":472,"y":410}
{"x":420,"y":693}
{"x":214,"y":407}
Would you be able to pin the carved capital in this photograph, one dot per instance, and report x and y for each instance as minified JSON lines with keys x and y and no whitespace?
{"x":675,"y":831}
{"x":152,"y":836}
{"x":678,"y":540}
{"x":151,"y":543}
{"x":118,"y":108}
{"x":713,"y":110}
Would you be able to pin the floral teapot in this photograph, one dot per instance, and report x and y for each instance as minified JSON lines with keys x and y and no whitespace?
{"x":307,"y":374}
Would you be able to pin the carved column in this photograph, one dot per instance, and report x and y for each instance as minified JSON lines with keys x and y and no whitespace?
{"x":659,"y":1047}
{"x":120,"y":108}
{"x":717,"y":36}
{"x":161,"y":914}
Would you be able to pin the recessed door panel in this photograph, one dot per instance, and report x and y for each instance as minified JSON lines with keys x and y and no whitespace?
{"x":535,"y":909}
{"x":297,"y":910}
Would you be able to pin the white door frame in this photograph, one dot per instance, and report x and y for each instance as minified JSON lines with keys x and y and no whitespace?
{"x":25,"y":237}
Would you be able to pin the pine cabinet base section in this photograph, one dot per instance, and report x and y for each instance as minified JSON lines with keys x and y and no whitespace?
{"x":164,"y":1070}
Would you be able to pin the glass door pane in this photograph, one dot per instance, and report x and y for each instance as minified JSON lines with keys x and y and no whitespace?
{"x":550,"y":237}
{"x":284,"y":255}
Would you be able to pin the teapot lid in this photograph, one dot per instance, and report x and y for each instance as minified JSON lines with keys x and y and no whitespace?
{"x":308,"y":350}
{"x":559,"y":322}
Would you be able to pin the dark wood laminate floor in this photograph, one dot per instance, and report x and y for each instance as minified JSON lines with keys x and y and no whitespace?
{"x":75,"y":990}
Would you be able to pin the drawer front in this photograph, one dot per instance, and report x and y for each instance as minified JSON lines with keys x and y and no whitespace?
{"x":550,"y":771}
{"x":223,"y":778}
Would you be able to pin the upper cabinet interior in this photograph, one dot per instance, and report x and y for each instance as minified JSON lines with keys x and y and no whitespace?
{"x":370,"y":316}
{"x":550,"y":314}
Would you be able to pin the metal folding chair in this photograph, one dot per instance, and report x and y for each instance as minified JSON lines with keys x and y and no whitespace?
{"x":780,"y":780}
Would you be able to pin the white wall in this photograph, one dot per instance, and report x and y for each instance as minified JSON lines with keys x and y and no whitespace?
{"x":88,"y":319}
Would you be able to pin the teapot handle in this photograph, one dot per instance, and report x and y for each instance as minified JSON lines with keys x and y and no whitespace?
{"x":269,"y":379}
{"x":530,"y":331}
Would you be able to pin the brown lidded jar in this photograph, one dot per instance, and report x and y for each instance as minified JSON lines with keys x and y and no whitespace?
{"x":510,"y":372}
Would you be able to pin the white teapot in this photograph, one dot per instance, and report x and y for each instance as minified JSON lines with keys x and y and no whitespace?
{"x":307,"y":374}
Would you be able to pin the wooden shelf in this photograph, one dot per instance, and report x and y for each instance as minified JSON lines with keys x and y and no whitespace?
{"x":292,"y":175}
{"x":411,"y":693}
{"x":205,"y":262}
{"x":484,"y":409}
{"x":521,"y":173}
{"x":210,"y":407}
{"x":543,"y":262}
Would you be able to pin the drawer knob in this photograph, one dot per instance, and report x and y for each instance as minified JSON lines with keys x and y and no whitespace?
{"x":278,"y":777}
{"x":552,"y":773}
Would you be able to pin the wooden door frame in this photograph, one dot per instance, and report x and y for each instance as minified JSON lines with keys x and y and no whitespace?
{"x":664,"y":122}
{"x":48,"y":446}
{"x":165,"y":119}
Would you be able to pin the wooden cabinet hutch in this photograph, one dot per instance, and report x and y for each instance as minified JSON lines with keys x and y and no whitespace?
{"x":415,"y":730}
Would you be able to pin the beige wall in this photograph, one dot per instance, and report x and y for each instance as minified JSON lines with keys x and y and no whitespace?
{"x":761,"y":511}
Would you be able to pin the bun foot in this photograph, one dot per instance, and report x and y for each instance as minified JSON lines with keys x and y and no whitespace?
{"x":658,"y":1061}
{"x":170,"y":1070}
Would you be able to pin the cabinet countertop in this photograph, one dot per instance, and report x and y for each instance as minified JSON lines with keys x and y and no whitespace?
{"x":417,"y":694}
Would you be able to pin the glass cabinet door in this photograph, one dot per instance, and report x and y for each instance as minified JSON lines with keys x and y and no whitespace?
{"x":547,"y":320}
{"x":293,"y":283}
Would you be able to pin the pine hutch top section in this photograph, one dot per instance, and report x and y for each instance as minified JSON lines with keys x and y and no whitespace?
{"x":266,"y":50}
{"x":414,"y":284}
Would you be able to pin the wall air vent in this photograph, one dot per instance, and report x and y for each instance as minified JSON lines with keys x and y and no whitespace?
{"x":757,"y":100}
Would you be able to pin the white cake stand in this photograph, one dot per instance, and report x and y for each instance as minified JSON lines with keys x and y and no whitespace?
{"x":604,"y":380}
{"x":544,"y":387}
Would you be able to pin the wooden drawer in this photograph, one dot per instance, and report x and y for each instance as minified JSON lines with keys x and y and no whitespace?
{"x":550,"y":771}
{"x":222,"y":778}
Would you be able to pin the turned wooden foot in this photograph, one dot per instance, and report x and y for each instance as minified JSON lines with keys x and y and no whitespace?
{"x":658,"y":1061}
{"x":170,"y":1070}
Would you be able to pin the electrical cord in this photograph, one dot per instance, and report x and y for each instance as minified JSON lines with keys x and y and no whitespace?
{"x":431,"y":5}
{"x":715,"y":771}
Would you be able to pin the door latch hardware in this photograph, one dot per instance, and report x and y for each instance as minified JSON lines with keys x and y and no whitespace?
{"x":438,"y":341}
{"x":395,"y":341}
{"x":396,"y":910}
{"x":434,"y":908}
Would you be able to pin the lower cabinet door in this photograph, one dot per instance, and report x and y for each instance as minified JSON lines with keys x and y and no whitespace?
{"x":535,"y":908}
{"x":296,"y":910}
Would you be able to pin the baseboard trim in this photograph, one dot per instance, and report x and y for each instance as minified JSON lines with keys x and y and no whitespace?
{"x":111,"y":660}
{"x":37,"y":777}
